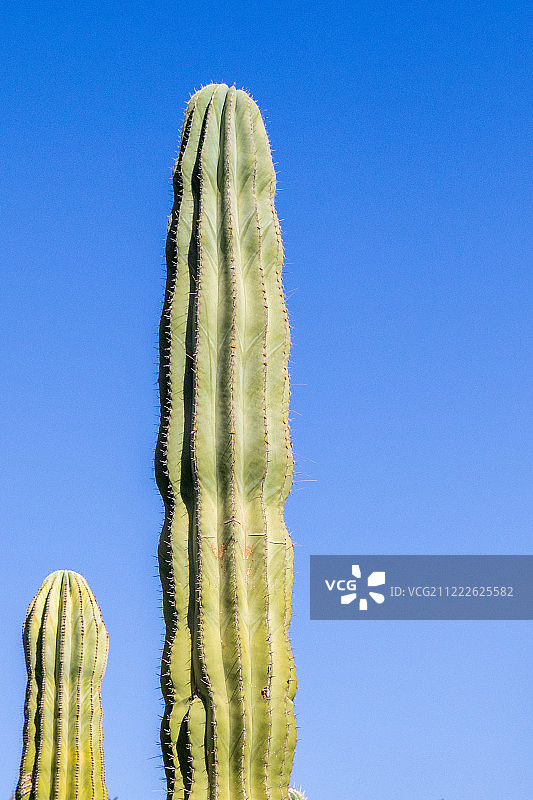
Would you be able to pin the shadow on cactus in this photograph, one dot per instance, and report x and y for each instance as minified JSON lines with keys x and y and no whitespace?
{"x":224,"y":469}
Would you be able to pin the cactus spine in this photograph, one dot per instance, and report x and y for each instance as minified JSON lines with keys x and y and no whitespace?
{"x":65,"y":644}
{"x":224,"y":465}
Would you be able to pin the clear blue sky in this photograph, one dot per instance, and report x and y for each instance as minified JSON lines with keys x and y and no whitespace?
{"x":400,"y":135}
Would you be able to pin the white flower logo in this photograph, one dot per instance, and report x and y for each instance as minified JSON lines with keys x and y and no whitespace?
{"x":374,"y":579}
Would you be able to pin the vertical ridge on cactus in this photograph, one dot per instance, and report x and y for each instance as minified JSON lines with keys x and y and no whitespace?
{"x":224,"y":465}
{"x":66,"y":645}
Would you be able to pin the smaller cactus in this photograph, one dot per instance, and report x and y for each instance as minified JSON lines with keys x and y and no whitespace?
{"x":66,"y":645}
{"x":294,"y":794}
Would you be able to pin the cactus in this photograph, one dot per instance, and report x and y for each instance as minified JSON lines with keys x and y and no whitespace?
{"x":65,"y":644}
{"x":224,"y":465}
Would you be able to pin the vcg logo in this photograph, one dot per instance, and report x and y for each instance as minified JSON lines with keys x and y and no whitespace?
{"x":348,"y":588}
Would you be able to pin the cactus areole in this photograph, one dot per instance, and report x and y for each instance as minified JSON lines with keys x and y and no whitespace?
{"x":224,"y":465}
{"x":66,"y":644}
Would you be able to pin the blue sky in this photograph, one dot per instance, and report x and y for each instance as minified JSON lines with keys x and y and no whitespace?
{"x":400,"y":136}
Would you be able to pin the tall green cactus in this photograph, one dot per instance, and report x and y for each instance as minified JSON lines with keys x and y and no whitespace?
{"x":65,"y":643}
{"x":224,"y":465}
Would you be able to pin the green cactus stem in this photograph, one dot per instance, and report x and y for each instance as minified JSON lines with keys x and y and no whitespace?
{"x":224,"y":465}
{"x":65,"y":644}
